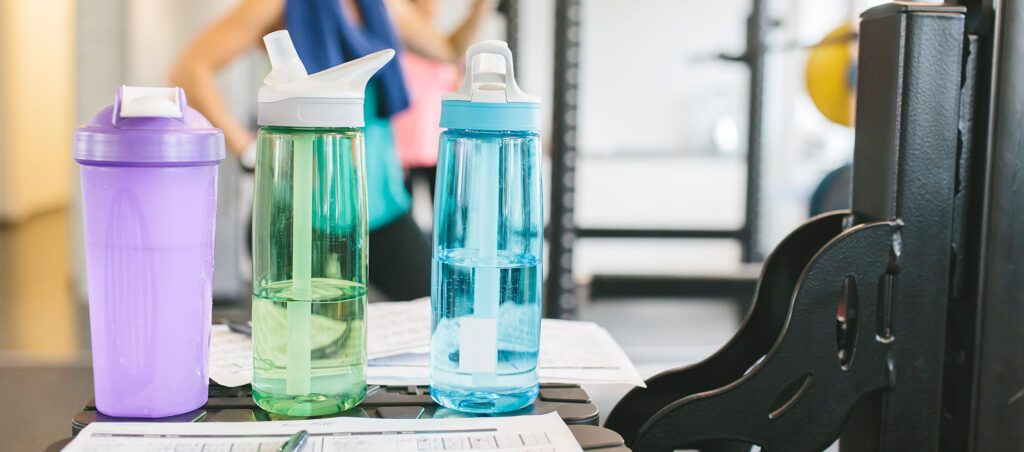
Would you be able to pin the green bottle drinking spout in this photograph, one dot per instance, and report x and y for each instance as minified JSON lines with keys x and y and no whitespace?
{"x":310,"y":235}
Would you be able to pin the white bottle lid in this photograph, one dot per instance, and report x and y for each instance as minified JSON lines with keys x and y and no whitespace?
{"x":330,"y":98}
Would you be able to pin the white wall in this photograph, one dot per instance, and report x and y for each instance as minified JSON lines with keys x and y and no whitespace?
{"x":650,"y":83}
{"x":37,"y":109}
{"x":649,"y":76}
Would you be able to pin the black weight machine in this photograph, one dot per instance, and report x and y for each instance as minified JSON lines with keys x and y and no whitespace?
{"x":897,"y":325}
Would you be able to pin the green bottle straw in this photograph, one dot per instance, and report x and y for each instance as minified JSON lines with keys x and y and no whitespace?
{"x":300,"y":308}
{"x":486,"y":291}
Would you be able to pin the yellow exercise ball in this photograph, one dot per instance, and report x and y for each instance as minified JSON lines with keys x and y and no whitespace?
{"x":831,"y":75}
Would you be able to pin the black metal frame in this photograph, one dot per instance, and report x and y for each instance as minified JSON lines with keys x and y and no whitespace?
{"x":563,"y":179}
{"x":510,"y":9}
{"x":560,"y":294}
{"x":983,"y":397}
{"x":897,"y":324}
{"x":757,"y":29}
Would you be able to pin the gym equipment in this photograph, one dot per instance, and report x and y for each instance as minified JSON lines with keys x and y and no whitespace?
{"x":895,"y":325}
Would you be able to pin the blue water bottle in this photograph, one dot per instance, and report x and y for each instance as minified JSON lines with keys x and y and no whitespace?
{"x":488,"y":241}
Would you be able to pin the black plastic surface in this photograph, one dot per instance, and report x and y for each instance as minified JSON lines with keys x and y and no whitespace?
{"x":390,"y":402}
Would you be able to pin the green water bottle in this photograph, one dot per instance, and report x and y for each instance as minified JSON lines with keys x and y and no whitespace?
{"x":310,"y":235}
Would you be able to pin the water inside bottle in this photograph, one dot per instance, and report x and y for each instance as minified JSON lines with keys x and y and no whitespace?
{"x":513,"y":384}
{"x":338,"y":354}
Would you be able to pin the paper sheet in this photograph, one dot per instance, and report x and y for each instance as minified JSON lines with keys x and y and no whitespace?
{"x":390,"y":333}
{"x":398,"y":342}
{"x":583,"y":352}
{"x":570,"y":352}
{"x":518,"y":433}
{"x":395,"y":328}
{"x":230,"y":357}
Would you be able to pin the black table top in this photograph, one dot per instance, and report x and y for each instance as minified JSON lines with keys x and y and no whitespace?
{"x":571,"y":402}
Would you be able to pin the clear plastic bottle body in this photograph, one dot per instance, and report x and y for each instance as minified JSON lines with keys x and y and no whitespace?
{"x":309,"y":270}
{"x":486,"y":271}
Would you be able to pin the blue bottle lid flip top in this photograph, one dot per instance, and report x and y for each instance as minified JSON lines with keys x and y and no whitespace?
{"x":489,"y":98}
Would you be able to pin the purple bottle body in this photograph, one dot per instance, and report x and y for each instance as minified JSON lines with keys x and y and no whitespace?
{"x":149,"y":200}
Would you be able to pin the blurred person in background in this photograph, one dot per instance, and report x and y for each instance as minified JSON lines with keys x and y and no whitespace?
{"x":416,"y":128}
{"x":327,"y":33}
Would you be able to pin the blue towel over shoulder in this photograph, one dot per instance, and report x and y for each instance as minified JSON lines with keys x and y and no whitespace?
{"x":324,"y":37}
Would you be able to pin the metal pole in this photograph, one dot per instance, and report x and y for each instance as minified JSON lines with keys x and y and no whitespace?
{"x":561,"y":301}
{"x":510,"y":8}
{"x":757,"y":25}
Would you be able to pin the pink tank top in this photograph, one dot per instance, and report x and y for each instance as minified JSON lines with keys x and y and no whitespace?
{"x":416,"y":128}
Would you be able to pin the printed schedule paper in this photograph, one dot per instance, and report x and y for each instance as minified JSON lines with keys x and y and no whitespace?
{"x":230,"y":357}
{"x":389,"y":334}
{"x":392,"y":328}
{"x":546,"y":433}
{"x":570,"y":352}
{"x":398,"y":341}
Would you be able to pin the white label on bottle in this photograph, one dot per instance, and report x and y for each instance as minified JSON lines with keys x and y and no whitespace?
{"x":478,"y":345}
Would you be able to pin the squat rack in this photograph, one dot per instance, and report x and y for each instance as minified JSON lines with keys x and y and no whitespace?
{"x":563,"y":231}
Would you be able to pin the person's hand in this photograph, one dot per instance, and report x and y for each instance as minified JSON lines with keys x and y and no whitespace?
{"x":237,"y":137}
{"x":248,"y":156}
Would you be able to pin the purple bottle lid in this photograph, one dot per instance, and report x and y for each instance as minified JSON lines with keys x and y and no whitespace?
{"x":148,"y":127}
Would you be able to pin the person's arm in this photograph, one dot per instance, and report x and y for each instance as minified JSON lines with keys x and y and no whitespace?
{"x":421,"y":37}
{"x":216,"y":46}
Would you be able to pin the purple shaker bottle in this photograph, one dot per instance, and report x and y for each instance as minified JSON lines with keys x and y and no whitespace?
{"x":149,"y":201}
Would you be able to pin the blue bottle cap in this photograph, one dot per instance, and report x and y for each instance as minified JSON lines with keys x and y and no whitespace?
{"x":489,"y":98}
